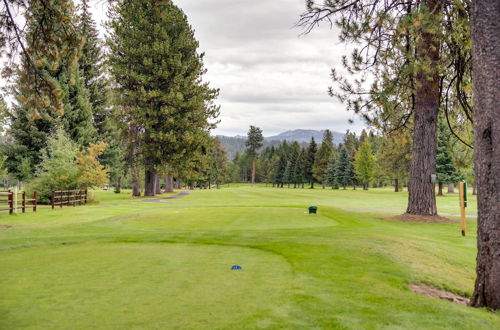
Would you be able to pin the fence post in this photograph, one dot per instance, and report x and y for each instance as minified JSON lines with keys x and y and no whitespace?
{"x":61,"y":199}
{"x":35,"y":196}
{"x":11,"y":202}
{"x":74,"y":198}
{"x":53,"y":198}
{"x":86,"y":195}
{"x":24,"y":202}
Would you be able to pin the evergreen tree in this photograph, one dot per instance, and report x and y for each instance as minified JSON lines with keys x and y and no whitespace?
{"x":394,"y":157}
{"x":365,"y":163}
{"x":293,"y":163}
{"x":158,"y":75}
{"x":322,"y":158}
{"x":351,"y":143}
{"x":92,"y":68}
{"x":328,"y":137}
{"x":48,"y":45}
{"x":280,"y":175}
{"x":253,"y":143}
{"x":36,"y":115}
{"x":344,"y":172}
{"x":331,"y":173}
{"x":446,"y":171}
{"x":300,"y":169}
{"x":218,"y":163}
{"x":310,"y":157}
{"x":410,"y":49}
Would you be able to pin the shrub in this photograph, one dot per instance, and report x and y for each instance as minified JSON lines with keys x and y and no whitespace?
{"x":57,"y":171}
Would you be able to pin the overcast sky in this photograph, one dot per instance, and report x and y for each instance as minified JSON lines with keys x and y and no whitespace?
{"x":268,"y":75}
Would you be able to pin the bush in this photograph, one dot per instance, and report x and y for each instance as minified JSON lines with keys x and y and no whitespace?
{"x":57,"y":170}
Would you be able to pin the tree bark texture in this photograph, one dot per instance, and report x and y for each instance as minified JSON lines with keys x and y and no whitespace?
{"x":440,"y":189}
{"x":136,"y":187}
{"x":451,"y":188}
{"x":157,"y":184}
{"x":118,"y":186}
{"x":486,"y":78}
{"x":421,"y":195}
{"x":149,"y":180}
{"x":396,"y":185}
{"x":169,"y":183}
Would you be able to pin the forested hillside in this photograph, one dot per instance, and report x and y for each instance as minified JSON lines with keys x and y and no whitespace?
{"x":303,"y":136}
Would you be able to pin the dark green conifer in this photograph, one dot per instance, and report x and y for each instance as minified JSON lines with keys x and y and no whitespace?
{"x":158,"y":73}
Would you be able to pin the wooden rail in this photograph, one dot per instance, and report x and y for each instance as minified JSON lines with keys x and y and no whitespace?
{"x":68,"y":197}
{"x":23,"y":200}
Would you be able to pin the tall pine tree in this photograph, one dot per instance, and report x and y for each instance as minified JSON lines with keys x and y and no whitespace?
{"x":253,"y":143}
{"x":322,"y":158}
{"x":158,"y":73}
{"x":344,"y":173}
{"x":93,"y":69}
{"x":312,"y":149}
{"x":36,"y":115}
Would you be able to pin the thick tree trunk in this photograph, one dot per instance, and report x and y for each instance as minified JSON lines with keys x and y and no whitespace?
{"x":253,"y":171}
{"x":136,"y":188}
{"x":157,"y":184}
{"x":474,"y":188}
{"x":118,"y":186}
{"x":149,"y":181}
{"x":312,"y":185}
{"x":421,"y":195}
{"x":440,"y":189}
{"x":451,"y":188}
{"x":486,"y":78}
{"x":365,"y":186}
{"x":396,"y":185}
{"x":169,"y":183}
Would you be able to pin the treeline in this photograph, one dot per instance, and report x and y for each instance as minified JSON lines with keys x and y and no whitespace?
{"x":369,"y":160}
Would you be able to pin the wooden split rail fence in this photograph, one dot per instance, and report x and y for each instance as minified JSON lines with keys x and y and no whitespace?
{"x":68,"y":197}
{"x":21,"y":202}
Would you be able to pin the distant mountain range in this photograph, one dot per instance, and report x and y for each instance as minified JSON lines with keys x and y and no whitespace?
{"x":305,"y":135}
{"x":237,"y":143}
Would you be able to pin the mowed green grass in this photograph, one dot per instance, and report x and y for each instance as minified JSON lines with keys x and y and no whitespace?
{"x":125,"y":263}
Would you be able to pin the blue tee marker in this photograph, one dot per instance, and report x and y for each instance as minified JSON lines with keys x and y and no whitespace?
{"x":236,"y":267}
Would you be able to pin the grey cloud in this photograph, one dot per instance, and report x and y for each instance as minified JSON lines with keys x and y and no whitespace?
{"x":268,"y":75}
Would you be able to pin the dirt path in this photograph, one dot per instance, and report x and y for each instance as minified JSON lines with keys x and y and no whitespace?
{"x":159,"y":200}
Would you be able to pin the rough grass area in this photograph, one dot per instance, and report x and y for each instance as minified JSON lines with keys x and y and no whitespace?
{"x":124,"y":263}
